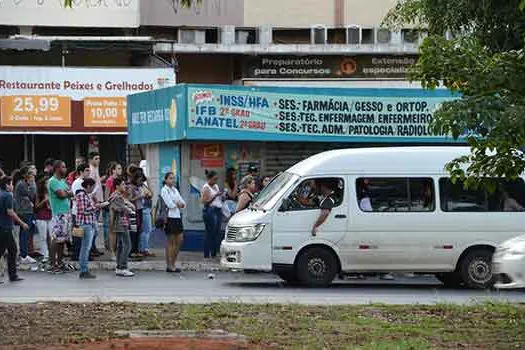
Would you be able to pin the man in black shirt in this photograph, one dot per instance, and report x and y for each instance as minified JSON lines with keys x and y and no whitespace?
{"x":7,"y":217}
{"x":326,"y":205}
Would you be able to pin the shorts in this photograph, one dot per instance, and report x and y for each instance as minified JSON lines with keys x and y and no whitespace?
{"x":61,"y":228}
{"x":173,"y":227}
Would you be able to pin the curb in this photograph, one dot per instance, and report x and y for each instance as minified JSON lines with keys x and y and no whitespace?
{"x":189,"y":266}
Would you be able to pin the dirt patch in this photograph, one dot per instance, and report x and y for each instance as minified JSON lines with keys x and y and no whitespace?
{"x":146,"y":344}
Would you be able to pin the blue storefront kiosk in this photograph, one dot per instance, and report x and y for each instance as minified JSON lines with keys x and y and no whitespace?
{"x":190,"y":128}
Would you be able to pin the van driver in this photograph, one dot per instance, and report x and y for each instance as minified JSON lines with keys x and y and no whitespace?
{"x":326,"y":205}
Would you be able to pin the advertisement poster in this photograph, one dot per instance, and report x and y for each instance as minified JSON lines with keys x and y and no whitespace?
{"x":325,"y":67}
{"x":357,"y":113}
{"x":78,"y":98}
{"x":210,"y":155}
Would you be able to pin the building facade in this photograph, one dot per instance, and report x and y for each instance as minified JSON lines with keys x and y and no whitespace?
{"x":131,"y":46}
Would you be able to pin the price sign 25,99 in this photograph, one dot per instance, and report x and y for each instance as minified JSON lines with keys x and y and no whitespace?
{"x":35,"y":111}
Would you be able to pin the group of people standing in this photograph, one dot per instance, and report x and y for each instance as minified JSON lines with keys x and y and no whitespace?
{"x":63,"y":210}
{"x":213,"y":200}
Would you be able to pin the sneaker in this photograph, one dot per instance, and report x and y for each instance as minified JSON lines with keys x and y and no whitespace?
{"x":113,"y":257}
{"x":16,"y":279}
{"x":387,"y":277}
{"x":44,"y":260}
{"x":27,"y":260}
{"x":124,"y":273}
{"x":87,"y":276}
{"x":176,"y":270}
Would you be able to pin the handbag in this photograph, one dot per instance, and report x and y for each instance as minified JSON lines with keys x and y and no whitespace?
{"x":160,"y":213}
{"x":77,"y":232}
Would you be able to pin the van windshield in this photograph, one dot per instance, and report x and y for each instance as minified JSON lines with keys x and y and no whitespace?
{"x":269,"y":196}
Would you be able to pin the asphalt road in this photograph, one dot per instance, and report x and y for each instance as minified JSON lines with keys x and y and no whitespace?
{"x":194,"y":287}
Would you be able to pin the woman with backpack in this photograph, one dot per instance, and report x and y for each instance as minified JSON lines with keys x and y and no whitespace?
{"x":173,"y":203}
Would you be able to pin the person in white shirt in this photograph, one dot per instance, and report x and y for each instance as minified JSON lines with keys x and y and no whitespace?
{"x":211,"y":197}
{"x":173,"y":229}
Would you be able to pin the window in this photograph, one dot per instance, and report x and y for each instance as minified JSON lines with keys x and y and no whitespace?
{"x":395,"y":194}
{"x":508,"y":196}
{"x":309,"y":194}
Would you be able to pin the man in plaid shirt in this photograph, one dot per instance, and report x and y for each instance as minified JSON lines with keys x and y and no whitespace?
{"x":86,"y":217}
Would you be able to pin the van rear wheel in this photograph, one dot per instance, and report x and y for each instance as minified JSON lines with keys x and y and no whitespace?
{"x":476,"y":269}
{"x":316,"y":267}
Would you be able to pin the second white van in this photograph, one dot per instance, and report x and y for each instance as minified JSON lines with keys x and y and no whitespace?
{"x":394,"y":210}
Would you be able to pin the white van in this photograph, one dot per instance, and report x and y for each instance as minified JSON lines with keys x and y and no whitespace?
{"x":396,"y":210}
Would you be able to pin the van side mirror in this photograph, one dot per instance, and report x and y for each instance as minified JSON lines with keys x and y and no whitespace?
{"x":285,"y":205}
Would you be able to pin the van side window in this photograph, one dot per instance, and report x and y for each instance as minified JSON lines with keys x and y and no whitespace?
{"x":508,"y":196}
{"x":308,"y":196}
{"x":395,"y":194}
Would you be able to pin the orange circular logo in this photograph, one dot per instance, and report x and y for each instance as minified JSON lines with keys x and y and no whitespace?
{"x":348,"y":66}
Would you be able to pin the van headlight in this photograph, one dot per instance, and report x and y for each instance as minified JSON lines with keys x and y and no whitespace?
{"x":248,"y":233}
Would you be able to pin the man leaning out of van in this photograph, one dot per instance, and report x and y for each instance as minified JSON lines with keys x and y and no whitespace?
{"x":326,"y":205}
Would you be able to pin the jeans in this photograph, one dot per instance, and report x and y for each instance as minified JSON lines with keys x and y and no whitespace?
{"x":212,"y":222}
{"x":24,"y":234}
{"x":87,"y":241}
{"x":95,"y":235}
{"x":146,"y":230}
{"x":105,"y":222}
{"x":7,"y":242}
{"x":135,"y":235}
{"x":43,"y":227}
{"x":123,"y":249}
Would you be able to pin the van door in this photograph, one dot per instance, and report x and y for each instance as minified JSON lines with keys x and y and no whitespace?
{"x":293,"y":222}
{"x":393,"y":226}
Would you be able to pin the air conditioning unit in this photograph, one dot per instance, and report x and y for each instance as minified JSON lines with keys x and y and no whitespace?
{"x":368,"y":36}
{"x":384,"y":36}
{"x":191,"y":36}
{"x":264,"y":35}
{"x":353,"y":35}
{"x":319,"y":35}
{"x":242,"y":36}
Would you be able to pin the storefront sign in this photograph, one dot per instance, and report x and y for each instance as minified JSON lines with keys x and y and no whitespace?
{"x":215,"y":112}
{"x":105,"y":112}
{"x":77,"y":98}
{"x":341,"y":113}
{"x":328,"y":67}
{"x":35,"y":111}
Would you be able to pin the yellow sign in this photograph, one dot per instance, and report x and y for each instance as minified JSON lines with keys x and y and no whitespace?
{"x":36,"y":111}
{"x":173,"y":113}
{"x":105,"y":112}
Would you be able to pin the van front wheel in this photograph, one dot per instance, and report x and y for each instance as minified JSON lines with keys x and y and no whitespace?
{"x":316,"y":267}
{"x":476,"y":269}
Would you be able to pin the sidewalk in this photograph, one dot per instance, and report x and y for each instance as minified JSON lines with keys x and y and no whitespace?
{"x":187,"y":261}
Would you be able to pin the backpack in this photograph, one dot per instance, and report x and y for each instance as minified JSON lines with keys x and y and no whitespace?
{"x":161,"y":213}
